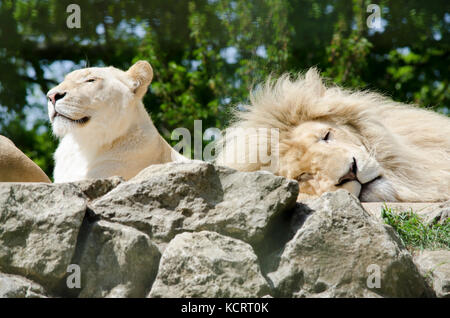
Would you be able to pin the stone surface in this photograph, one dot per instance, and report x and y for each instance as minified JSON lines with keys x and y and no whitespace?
{"x":96,"y":188}
{"x":207,"y":264}
{"x":435,"y":267}
{"x":426,"y":210}
{"x":164,"y":200}
{"x":332,"y":253}
{"x":221,"y":233}
{"x":116,"y":261}
{"x":39,"y":225}
{"x":13,"y":286}
{"x":438,"y":213}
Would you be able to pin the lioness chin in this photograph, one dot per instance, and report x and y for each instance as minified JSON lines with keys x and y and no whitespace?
{"x":104,"y":128}
{"x":330,"y":138}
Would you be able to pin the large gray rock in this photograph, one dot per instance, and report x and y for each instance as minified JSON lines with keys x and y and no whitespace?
{"x":95,"y":188}
{"x":337,"y":249}
{"x":207,"y":264}
{"x":211,"y":222}
{"x":116,"y":261}
{"x":13,"y":286}
{"x":164,"y":200}
{"x":435,"y":267}
{"x":39,"y":225}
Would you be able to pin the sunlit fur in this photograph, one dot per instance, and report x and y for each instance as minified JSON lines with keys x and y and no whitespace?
{"x":406,"y":147}
{"x":15,"y":166}
{"x":119,"y":138}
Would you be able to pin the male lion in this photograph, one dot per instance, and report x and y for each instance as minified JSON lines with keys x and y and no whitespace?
{"x":105,"y":129}
{"x":331,"y":138}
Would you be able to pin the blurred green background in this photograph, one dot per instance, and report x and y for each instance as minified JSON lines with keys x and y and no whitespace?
{"x":207,"y":54}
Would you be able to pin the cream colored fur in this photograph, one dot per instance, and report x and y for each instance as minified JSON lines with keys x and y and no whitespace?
{"x":103,"y":125}
{"x":15,"y":166}
{"x":402,"y":153}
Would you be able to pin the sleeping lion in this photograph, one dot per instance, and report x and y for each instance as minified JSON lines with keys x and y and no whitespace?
{"x":330,"y":138}
{"x":104,"y":128}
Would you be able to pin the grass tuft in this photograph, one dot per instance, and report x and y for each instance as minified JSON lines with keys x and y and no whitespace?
{"x":414,"y":233}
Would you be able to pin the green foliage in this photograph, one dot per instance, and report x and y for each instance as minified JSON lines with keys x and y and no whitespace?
{"x":208,"y":54}
{"x":36,"y":143}
{"x":414,"y":233}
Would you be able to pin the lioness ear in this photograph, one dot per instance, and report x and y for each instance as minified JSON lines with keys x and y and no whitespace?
{"x":142,"y":74}
{"x":314,"y":82}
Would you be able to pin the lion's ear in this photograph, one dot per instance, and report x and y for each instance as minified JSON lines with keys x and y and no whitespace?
{"x":314,"y":82}
{"x":142,"y":74}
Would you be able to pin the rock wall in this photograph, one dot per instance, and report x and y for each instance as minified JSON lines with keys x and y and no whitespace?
{"x":197,"y":230}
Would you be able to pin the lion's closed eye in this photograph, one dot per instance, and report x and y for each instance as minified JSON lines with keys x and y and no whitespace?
{"x":304,"y":177}
{"x":327,"y":136}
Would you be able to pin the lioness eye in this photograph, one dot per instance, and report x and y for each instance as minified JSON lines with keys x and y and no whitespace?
{"x":327,"y":136}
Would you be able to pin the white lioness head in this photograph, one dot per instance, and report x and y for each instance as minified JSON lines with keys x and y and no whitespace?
{"x":103,"y":125}
{"x":94,"y":102}
{"x":330,"y":138}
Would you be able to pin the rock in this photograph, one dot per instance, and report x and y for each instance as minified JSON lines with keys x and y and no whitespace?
{"x":438,"y":213}
{"x":337,"y":250}
{"x":12,"y":286}
{"x":165,"y":200}
{"x":435,"y":267}
{"x":39,"y":225}
{"x":96,"y":188}
{"x":281,"y":231}
{"x":207,"y":264}
{"x":116,"y":261}
{"x":219,"y":231}
{"x":429,"y":212}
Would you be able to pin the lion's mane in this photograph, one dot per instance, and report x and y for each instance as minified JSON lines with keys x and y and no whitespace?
{"x":411,"y":144}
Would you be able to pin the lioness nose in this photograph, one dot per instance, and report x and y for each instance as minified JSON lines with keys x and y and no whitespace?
{"x":350,"y":175}
{"x":54,"y":97}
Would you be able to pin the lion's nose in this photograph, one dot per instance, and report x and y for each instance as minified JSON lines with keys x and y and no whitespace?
{"x":54,"y":97}
{"x":350,"y":175}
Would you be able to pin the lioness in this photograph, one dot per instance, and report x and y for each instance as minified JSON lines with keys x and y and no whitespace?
{"x":15,"y":166}
{"x":331,"y":138}
{"x":104,"y":128}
